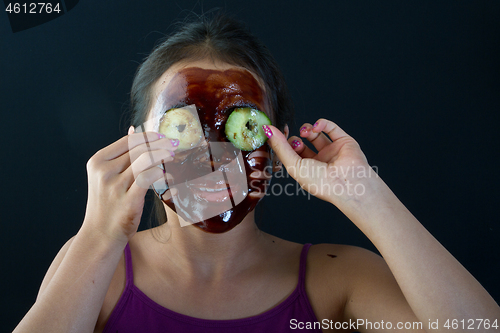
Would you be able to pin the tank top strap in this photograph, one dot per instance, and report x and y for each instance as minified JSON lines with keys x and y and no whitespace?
{"x":302,"y":267}
{"x":129,"y":271}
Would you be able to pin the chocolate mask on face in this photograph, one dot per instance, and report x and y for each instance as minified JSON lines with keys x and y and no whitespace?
{"x":216,"y":184}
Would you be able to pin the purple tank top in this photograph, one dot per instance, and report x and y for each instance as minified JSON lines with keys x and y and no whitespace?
{"x":135,"y":312}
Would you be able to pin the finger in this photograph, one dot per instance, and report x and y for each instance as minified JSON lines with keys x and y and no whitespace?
{"x":300,"y":148}
{"x":149,"y":160}
{"x":278,"y":143}
{"x":123,"y":145}
{"x":162,"y":144}
{"x":123,"y":162}
{"x":129,"y":175}
{"x":330,"y":128}
{"x":318,"y":139}
{"x":147,"y":141}
{"x":145,"y":179}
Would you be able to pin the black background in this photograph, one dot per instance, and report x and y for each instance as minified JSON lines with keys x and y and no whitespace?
{"x":416,"y":83}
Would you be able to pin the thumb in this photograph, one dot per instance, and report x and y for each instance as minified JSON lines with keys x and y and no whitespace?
{"x":279,"y":144}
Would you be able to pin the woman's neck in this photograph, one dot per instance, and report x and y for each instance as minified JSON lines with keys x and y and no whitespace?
{"x":208,"y":256}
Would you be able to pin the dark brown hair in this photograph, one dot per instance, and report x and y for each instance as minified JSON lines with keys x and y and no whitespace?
{"x":217,"y":37}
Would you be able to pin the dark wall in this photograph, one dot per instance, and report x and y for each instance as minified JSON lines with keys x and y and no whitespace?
{"x":416,"y":84}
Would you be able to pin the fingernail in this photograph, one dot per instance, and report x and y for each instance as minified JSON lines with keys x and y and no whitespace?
{"x":315,"y":124}
{"x":267,"y":130}
{"x":174,"y":142}
{"x":161,"y":136}
{"x":303,"y":129}
{"x":295,"y":144}
{"x":172,"y":153}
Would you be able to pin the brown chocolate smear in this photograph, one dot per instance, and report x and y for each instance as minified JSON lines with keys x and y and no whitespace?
{"x":216,"y":94}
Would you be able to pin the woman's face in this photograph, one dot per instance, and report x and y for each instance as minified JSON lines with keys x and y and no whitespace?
{"x":216,"y":185}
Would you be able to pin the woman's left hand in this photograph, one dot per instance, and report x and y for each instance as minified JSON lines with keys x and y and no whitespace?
{"x":333,"y":173}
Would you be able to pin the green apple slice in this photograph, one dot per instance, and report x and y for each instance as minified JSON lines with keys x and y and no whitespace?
{"x":244,"y":128}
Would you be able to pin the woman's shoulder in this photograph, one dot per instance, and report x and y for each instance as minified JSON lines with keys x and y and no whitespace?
{"x":333,"y":272}
{"x":345,"y":263}
{"x":342,"y":254}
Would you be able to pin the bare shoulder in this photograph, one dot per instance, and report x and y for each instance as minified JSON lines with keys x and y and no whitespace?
{"x":348,"y":282}
{"x":333,"y":272}
{"x":346,"y":260}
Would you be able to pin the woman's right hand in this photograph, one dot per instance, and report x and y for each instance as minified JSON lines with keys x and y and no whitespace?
{"x":80,"y":276}
{"x":119,"y":176}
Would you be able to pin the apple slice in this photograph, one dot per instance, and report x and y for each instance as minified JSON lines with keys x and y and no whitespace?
{"x":244,"y":128}
{"x":182,"y":125}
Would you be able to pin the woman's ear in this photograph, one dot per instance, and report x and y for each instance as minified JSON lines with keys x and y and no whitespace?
{"x":276,"y":162}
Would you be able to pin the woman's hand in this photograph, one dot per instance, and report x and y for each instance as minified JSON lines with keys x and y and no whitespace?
{"x":434,"y":284}
{"x":119,"y":177}
{"x":79,"y":277}
{"x":333,"y":172}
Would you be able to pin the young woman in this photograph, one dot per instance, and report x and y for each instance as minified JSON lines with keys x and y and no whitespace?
{"x":209,"y":268}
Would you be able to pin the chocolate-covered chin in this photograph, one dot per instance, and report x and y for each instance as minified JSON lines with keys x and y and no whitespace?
{"x":193,"y":203}
{"x":215,"y":93}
